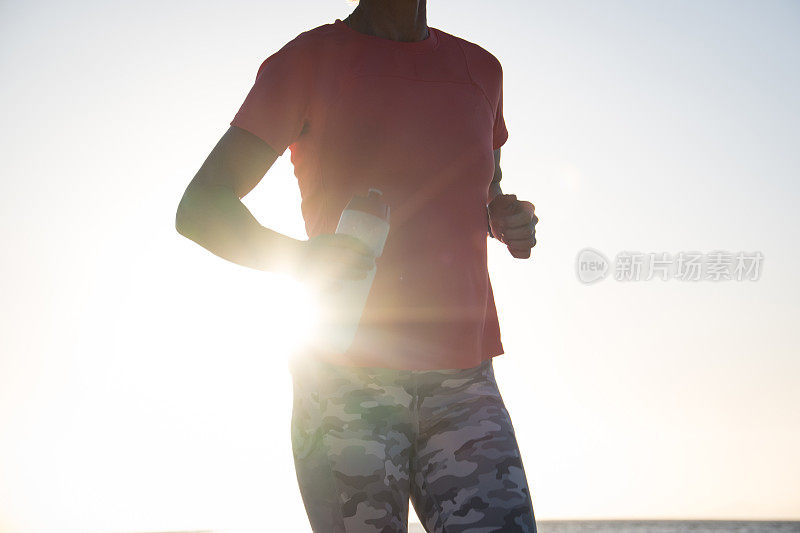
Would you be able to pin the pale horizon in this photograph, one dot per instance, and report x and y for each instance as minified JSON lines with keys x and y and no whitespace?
{"x":129,"y":401}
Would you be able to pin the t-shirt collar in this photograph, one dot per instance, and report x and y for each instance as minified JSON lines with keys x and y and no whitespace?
{"x":429,"y":43}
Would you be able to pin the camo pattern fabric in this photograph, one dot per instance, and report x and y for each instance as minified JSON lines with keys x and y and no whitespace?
{"x":365,"y":440}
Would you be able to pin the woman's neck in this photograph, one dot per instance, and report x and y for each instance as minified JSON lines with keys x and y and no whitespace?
{"x":398,"y":20}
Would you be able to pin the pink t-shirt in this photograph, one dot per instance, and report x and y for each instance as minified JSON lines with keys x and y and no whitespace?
{"x":419,"y":121}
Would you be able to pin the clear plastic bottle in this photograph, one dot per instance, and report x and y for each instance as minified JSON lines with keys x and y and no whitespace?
{"x":367,"y":219}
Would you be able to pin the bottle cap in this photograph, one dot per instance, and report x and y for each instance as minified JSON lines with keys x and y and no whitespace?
{"x":373,"y":204}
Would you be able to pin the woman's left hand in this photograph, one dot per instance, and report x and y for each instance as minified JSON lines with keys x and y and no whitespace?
{"x":513,"y":222}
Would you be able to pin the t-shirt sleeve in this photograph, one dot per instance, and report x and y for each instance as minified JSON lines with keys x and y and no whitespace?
{"x":276,"y":108}
{"x":499,"y":132}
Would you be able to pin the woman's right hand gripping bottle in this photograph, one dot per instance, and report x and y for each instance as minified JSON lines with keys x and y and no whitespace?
{"x":367,"y":219}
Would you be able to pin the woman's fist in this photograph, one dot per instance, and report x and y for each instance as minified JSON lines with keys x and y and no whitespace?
{"x":513,"y":222}
{"x":328,"y":259}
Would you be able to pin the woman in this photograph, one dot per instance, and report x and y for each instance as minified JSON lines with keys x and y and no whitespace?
{"x":412,"y":409}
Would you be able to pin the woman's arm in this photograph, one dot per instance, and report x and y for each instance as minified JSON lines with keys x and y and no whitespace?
{"x":494,"y":188}
{"x":211,"y":212}
{"x":212,"y":215}
{"x":511,"y":221}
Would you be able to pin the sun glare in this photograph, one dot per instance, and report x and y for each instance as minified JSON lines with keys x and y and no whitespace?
{"x":300,"y":314}
{"x":169,"y":417}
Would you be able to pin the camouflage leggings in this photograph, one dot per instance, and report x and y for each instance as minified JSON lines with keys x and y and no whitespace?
{"x":366,"y":439}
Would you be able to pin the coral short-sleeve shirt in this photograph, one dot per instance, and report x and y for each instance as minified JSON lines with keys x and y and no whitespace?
{"x":419,"y":121}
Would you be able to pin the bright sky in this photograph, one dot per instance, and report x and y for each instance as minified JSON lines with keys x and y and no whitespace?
{"x":143,"y":381}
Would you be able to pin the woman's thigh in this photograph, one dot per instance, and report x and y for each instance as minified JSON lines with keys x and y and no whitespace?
{"x":351,"y":440}
{"x":467,"y":471}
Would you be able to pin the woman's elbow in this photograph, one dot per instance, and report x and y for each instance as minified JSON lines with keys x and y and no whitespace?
{"x":182,"y":217}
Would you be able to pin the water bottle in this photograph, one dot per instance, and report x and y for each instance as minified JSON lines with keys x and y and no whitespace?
{"x":367,"y":219}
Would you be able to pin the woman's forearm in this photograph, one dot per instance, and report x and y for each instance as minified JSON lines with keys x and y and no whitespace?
{"x":216,"y":219}
{"x":494,"y":190}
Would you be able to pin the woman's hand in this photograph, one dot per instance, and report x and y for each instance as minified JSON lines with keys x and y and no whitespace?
{"x":327,"y":259}
{"x":513,"y":223}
